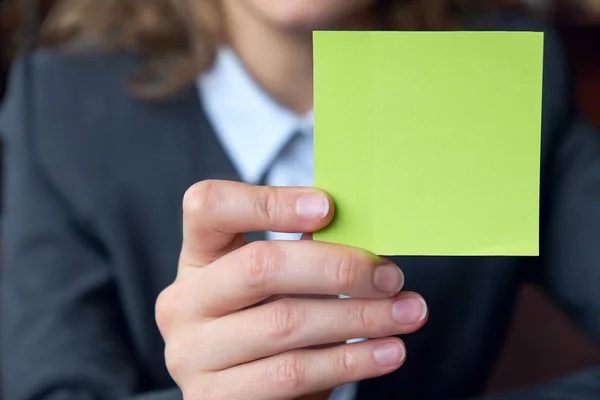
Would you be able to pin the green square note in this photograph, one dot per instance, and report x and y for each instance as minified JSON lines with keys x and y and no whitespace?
{"x":429,"y":142}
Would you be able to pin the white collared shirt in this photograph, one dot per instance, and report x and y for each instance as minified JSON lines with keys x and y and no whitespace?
{"x":261,"y":137}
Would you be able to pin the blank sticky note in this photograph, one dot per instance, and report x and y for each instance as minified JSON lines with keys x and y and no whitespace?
{"x":429,"y":142}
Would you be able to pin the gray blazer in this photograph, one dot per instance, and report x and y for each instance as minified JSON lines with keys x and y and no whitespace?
{"x":92,"y":231}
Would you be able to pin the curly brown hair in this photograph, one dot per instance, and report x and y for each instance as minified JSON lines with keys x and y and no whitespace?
{"x":179,"y":41}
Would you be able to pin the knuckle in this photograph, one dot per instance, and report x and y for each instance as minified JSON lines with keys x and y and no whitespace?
{"x":366,"y":318}
{"x":347,"y":273}
{"x":283,"y":320}
{"x":165,"y":308}
{"x":197,"y":393}
{"x":289,"y":373}
{"x":176,"y":306}
{"x":348,"y":364}
{"x":267,"y":204}
{"x":200,"y":392}
{"x":260,"y":263}
{"x":200,"y":198}
{"x":178,"y":360}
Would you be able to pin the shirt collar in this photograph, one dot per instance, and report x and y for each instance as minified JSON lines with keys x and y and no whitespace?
{"x":252,"y":127}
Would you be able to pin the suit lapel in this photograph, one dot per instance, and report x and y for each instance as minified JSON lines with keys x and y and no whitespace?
{"x":209,"y":158}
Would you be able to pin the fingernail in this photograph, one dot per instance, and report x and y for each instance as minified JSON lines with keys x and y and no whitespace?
{"x":312,"y":206}
{"x":409,"y":310}
{"x":388,"y":278}
{"x":389,"y":354}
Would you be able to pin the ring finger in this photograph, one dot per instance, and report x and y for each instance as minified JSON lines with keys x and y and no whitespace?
{"x":293,"y":323}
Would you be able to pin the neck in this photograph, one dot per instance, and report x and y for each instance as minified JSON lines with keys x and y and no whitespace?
{"x":279,"y":61}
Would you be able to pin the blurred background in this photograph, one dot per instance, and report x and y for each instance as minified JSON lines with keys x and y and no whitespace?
{"x":542,"y":344}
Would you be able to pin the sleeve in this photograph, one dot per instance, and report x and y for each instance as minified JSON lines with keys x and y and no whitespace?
{"x":63,"y":335}
{"x":570,"y":261}
{"x":568,"y":269}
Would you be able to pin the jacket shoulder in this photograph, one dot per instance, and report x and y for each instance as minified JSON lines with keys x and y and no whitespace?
{"x":61,"y":112}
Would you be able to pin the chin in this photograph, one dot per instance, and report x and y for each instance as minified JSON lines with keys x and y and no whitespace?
{"x":308,"y":14}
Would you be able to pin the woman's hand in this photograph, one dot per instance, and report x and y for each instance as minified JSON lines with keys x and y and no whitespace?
{"x":226,"y":340}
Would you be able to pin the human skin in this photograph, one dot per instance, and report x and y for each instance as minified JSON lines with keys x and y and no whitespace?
{"x":224,"y":341}
{"x":262,"y":320}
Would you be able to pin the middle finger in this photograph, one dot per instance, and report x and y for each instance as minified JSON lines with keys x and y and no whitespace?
{"x":262,"y":269}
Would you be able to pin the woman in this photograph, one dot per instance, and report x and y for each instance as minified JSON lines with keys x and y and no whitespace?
{"x":93,"y":225}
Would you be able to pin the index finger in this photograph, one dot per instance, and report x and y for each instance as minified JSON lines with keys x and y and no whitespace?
{"x":217,"y":213}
